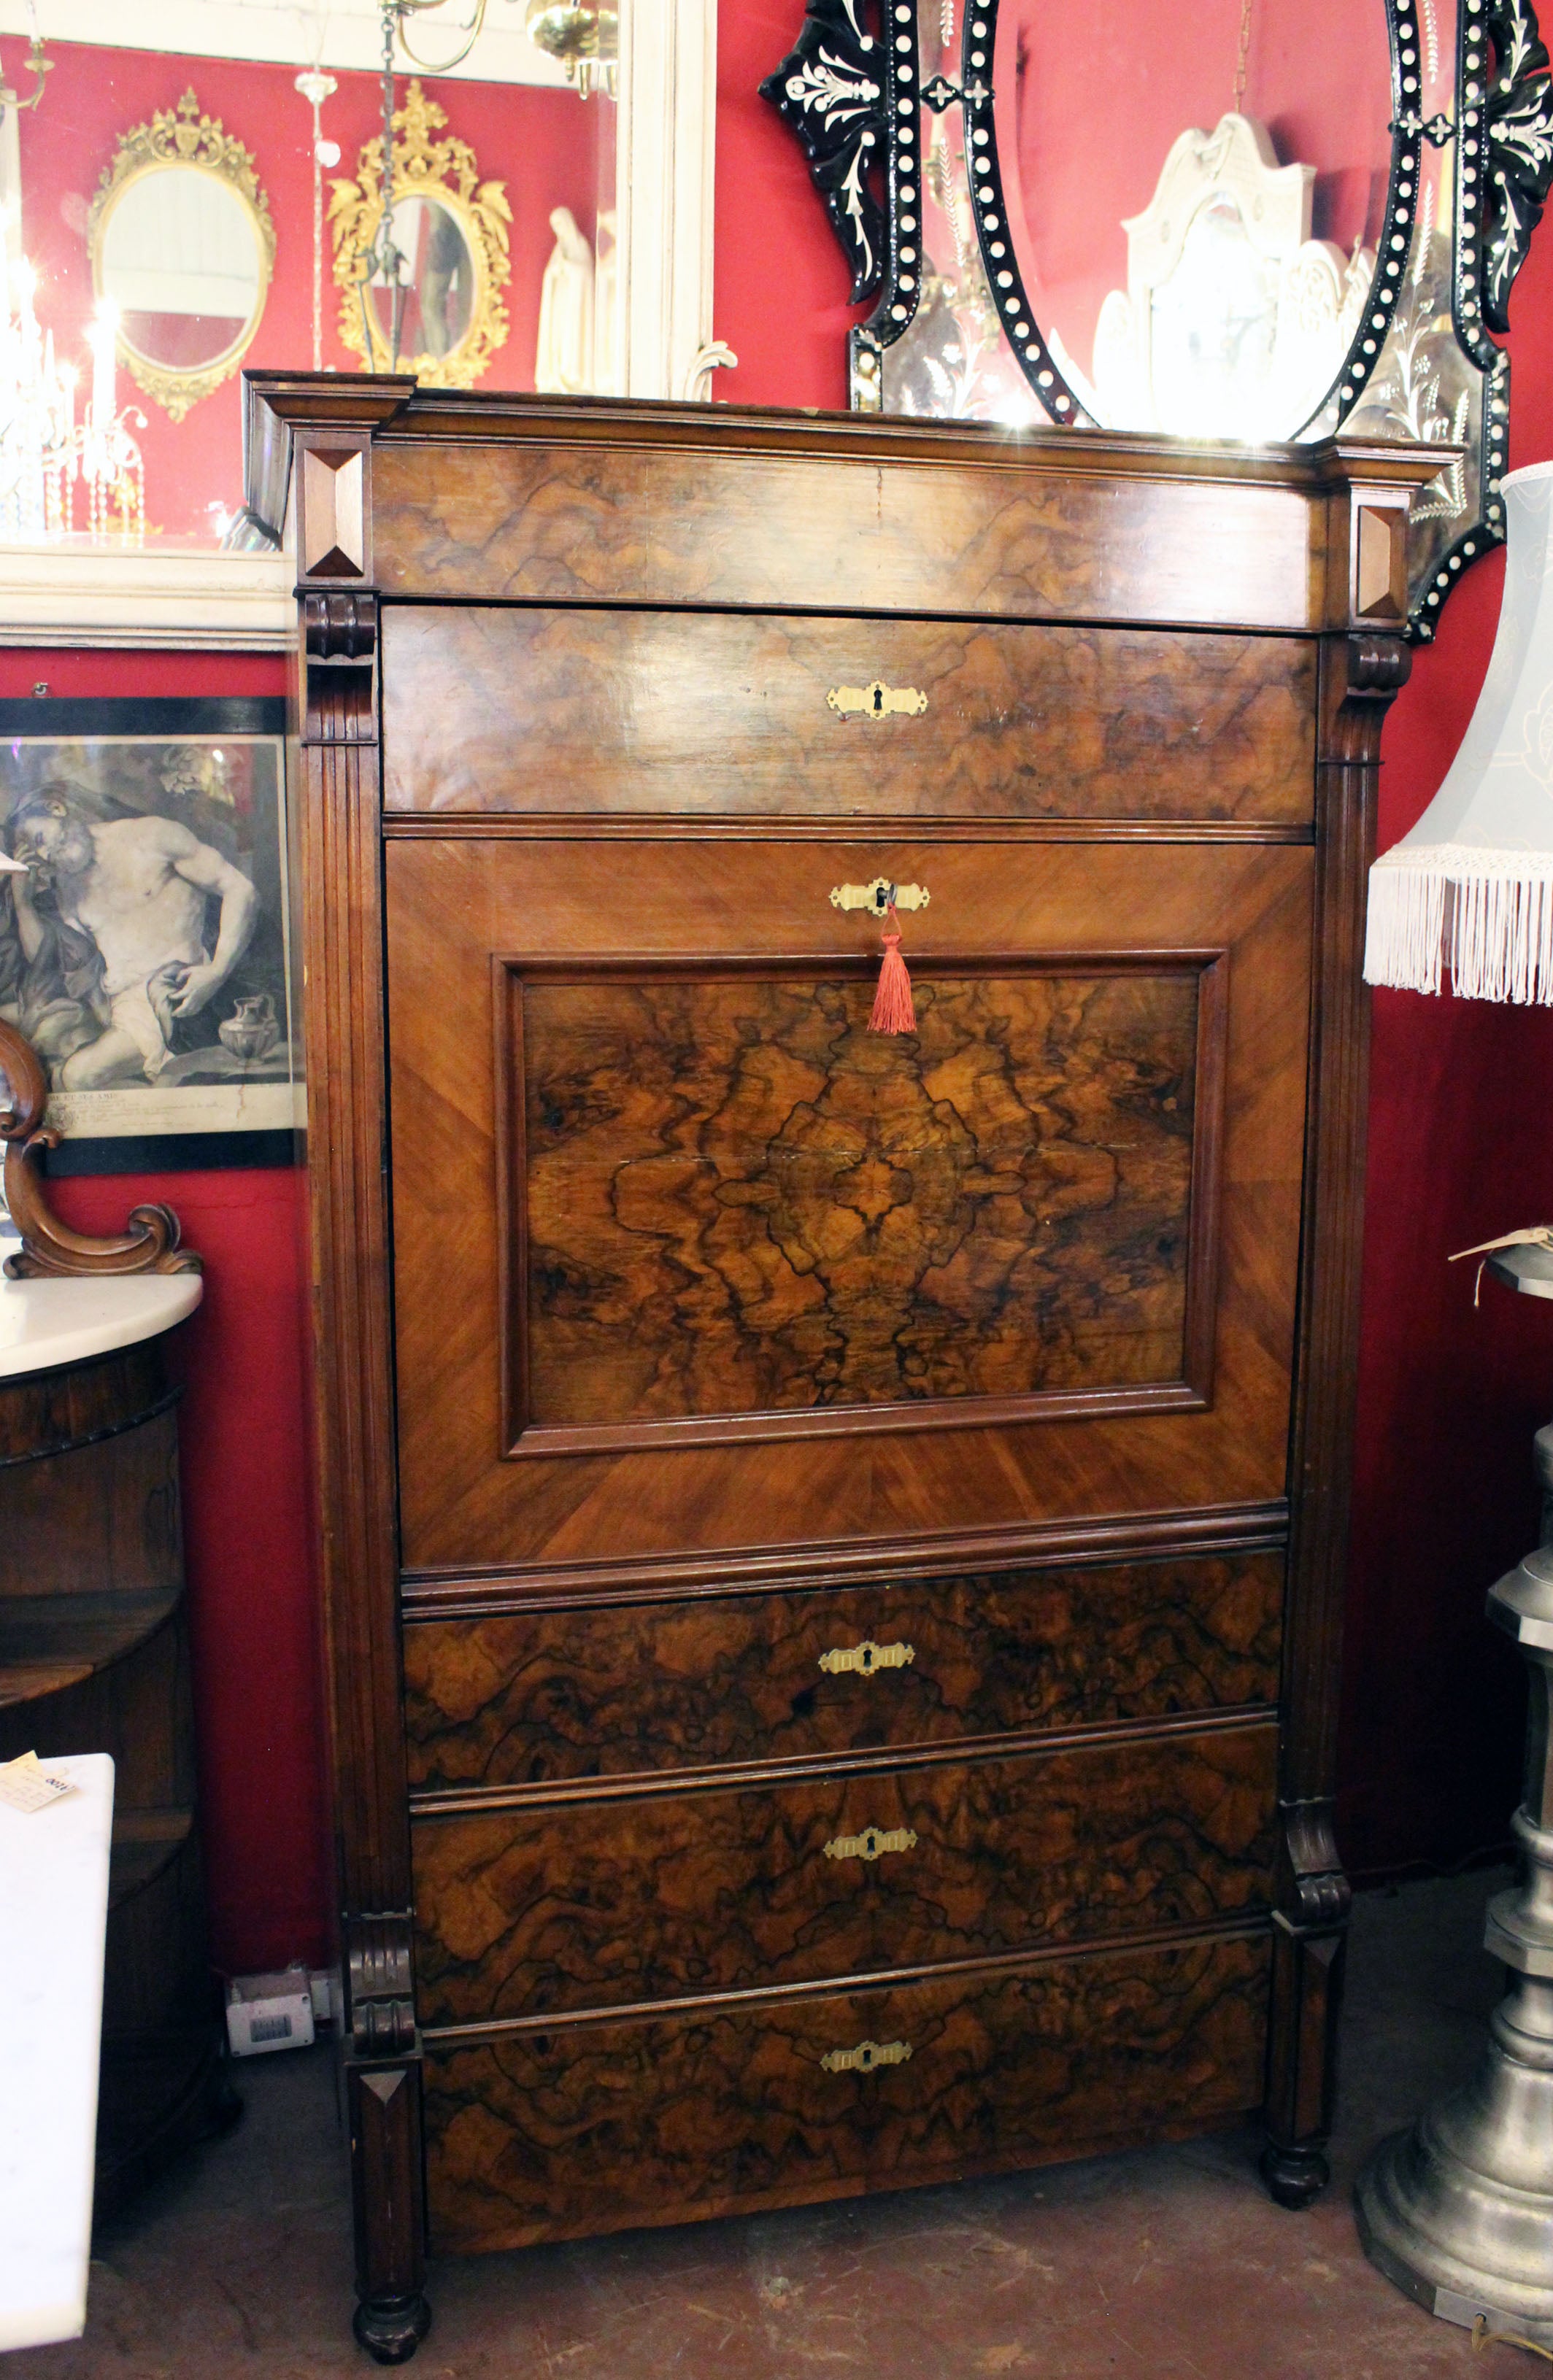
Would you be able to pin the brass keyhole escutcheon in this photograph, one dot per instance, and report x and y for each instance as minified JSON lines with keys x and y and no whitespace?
{"x":879,"y":896}
{"x":865,"y":2056}
{"x":871,"y":1844}
{"x":867,"y":1659}
{"x":877,"y":702}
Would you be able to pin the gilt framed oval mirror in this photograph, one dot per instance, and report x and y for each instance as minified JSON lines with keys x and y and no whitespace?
{"x":440,"y":284}
{"x":1256,"y":220}
{"x":182,"y":246}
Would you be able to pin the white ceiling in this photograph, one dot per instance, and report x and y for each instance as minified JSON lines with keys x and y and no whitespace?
{"x":289,"y":33}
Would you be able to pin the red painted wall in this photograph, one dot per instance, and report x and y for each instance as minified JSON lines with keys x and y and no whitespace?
{"x":541,"y":143}
{"x":253,"y":1608}
{"x":1460,"y":1149}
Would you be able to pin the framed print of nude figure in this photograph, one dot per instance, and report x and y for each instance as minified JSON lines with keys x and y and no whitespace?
{"x":145,"y":950}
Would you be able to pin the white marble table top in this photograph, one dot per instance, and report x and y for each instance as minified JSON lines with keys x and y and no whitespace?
{"x":47,"y":1322}
{"x":54,"y":1894}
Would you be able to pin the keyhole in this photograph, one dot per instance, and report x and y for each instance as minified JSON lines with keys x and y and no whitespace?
{"x":879,"y":698}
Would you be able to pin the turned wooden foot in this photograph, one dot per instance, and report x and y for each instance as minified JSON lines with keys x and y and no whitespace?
{"x":392,"y":2329}
{"x":1295,"y":2177}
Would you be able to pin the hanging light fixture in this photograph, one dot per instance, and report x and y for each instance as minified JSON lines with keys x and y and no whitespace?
{"x":584,"y":36}
{"x":383,"y":262}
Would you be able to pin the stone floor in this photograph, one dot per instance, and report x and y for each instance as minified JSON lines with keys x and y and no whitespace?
{"x":1162,"y":2264}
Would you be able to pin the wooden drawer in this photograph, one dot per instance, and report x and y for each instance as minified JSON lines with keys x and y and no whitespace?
{"x":550,"y":2134}
{"x":708,"y":714}
{"x":668,"y":1683}
{"x":588,"y":1901}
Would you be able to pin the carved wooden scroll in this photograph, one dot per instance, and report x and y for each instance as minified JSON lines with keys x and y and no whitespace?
{"x":150,"y":1243}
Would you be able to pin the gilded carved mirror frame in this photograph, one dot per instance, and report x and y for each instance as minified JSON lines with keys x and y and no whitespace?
{"x":868,"y":85}
{"x":444,"y":173}
{"x":182,"y":137}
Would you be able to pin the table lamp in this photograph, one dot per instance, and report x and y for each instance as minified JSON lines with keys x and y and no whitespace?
{"x":1459,"y":2211}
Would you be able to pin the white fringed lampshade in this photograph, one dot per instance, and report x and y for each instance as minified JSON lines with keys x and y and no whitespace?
{"x":1471,"y":887}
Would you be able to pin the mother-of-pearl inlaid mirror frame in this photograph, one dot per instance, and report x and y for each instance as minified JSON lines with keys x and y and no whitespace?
{"x":894,"y":104}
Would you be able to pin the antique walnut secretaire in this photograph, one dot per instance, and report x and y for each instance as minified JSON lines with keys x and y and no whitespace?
{"x":832,"y":1541}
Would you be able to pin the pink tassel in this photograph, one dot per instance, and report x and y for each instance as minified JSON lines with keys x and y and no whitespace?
{"x":893,"y":1012}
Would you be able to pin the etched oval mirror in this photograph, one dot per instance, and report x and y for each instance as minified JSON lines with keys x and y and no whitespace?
{"x":1252,"y":219}
{"x":1203,"y":267}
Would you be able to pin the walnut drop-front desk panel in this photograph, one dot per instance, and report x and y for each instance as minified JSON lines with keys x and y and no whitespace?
{"x":833,"y":1542}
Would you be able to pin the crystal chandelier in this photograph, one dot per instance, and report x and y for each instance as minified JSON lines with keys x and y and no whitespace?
{"x":46,"y":453}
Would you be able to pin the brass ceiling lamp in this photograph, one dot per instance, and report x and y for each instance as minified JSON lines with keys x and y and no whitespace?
{"x":583,"y":36}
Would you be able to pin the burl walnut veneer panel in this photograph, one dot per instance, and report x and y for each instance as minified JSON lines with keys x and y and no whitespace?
{"x":1030,"y":538}
{"x":734,"y":1199}
{"x":464,"y":915}
{"x":717,"y":715}
{"x":539,"y":1696}
{"x":580,"y":1903}
{"x":557,"y":2133}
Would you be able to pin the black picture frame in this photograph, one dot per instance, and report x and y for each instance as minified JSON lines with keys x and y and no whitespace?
{"x":174,"y":719}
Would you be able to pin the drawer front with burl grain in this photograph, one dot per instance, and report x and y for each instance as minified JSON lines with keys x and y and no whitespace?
{"x":708,"y":714}
{"x":666,"y":1683}
{"x":583,"y":1901}
{"x":553,"y":2133}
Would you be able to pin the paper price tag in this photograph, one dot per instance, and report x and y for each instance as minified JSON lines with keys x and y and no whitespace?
{"x":27,"y":1785}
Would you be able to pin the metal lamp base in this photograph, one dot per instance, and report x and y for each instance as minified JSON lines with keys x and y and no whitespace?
{"x":1459,"y":2212}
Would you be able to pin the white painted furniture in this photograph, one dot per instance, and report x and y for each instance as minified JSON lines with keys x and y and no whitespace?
{"x":53,"y":1907}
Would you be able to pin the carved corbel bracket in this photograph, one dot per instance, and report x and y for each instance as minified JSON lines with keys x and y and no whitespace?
{"x":384,"y":2101}
{"x":1371,"y":669}
{"x":380,"y":1984}
{"x":339,"y":644}
{"x":1314,"y":1893}
{"x":48,"y":1247}
{"x":1378,"y":666}
{"x":1310,"y":1932}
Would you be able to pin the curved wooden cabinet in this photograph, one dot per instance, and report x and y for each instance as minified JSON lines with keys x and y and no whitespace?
{"x":833,"y":1542}
{"x":94,"y":1658}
